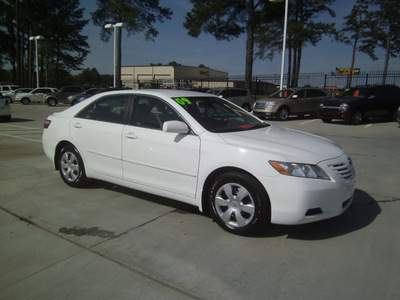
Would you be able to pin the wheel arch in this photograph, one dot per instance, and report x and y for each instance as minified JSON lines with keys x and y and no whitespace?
{"x":59,"y":147}
{"x":205,"y":208}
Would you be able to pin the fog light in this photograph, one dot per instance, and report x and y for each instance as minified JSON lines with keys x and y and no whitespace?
{"x":314,"y":211}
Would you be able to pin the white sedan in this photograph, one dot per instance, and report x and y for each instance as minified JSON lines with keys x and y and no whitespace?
{"x":202,"y":150}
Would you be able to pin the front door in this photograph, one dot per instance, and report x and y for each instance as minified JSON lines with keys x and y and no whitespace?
{"x":157,"y":160}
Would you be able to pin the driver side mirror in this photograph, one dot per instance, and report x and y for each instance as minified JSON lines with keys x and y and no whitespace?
{"x":175,"y":127}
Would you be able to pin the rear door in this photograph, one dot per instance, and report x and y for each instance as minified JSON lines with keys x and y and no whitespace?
{"x":97,"y":133}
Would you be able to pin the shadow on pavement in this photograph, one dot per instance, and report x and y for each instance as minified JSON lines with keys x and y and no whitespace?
{"x":360,"y":214}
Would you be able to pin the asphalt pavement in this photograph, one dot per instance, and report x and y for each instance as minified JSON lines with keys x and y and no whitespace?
{"x":109,"y":242}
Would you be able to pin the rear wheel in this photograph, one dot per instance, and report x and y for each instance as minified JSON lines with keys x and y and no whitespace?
{"x":239,"y":203}
{"x":71,"y":168}
{"x":326,"y":120}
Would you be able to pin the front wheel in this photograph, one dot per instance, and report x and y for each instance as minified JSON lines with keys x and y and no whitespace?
{"x":282,"y":114}
{"x":25,"y":101}
{"x":239,"y":203}
{"x":356,"y":118}
{"x":71,"y":168}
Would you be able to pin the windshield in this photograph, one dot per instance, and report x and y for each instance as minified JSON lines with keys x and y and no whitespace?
{"x":282,"y":94}
{"x":218,"y":115}
{"x":354,"y":92}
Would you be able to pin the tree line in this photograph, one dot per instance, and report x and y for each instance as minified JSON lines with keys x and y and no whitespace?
{"x":371,"y":24}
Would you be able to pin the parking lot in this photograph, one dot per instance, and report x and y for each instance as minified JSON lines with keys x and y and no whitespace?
{"x":109,"y":242}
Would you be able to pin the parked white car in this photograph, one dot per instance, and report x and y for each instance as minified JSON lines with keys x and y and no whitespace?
{"x":10,"y":96}
{"x":34,"y":96}
{"x":202,"y":150}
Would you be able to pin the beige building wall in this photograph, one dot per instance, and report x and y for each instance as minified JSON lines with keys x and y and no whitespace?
{"x":137,"y":76}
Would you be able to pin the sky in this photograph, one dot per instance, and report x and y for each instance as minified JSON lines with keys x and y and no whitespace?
{"x":174,"y":44}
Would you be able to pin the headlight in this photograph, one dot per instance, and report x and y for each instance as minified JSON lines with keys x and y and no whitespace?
{"x":343,"y":106}
{"x":299,"y":170}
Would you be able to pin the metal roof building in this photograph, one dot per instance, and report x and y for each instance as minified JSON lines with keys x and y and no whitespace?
{"x":172,"y":77}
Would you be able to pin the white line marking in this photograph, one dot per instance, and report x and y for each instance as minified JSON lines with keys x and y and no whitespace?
{"x":25,"y":127}
{"x":306,"y":122}
{"x":22,"y":138}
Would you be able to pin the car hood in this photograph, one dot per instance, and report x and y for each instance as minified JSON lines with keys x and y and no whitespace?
{"x":338,"y":101}
{"x":288,"y":144}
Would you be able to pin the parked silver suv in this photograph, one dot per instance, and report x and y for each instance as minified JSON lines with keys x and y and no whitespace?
{"x":240,"y":97}
{"x":293,"y":101}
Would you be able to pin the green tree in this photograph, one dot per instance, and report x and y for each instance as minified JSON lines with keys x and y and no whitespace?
{"x":136,"y":15}
{"x":227,"y":19}
{"x":303,"y":28}
{"x":356,"y":32}
{"x":58,"y":21}
{"x":386,"y":29}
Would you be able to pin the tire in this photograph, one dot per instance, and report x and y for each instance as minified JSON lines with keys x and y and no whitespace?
{"x":246,"y":107}
{"x":357,"y":118}
{"x":71,"y":167}
{"x":282,"y":114}
{"x":9,"y":99}
{"x":51,"y":102}
{"x":326,"y":120}
{"x":239,"y":203}
{"x":25,"y":101}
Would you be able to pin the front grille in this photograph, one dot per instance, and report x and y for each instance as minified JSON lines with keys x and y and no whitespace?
{"x":346,"y":171}
{"x":260,"y":105}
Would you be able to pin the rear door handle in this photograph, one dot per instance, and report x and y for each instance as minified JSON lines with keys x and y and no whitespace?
{"x":78,"y":125}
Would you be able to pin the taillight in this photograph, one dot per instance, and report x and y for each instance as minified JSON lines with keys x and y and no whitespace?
{"x":47,"y":124}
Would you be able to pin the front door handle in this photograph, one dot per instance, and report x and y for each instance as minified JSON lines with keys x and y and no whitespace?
{"x":78,"y":125}
{"x":131,"y":136}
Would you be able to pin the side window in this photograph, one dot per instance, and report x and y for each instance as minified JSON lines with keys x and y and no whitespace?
{"x":300,"y":94}
{"x":315,"y":93}
{"x":106,"y":109}
{"x":150,"y":112}
{"x":226,"y":94}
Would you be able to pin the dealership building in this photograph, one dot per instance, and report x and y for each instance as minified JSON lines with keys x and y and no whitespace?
{"x":172,"y":77}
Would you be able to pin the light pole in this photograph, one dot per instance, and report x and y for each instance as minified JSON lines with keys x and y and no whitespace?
{"x":116,"y":25}
{"x":36,"y":38}
{"x":284,"y":39}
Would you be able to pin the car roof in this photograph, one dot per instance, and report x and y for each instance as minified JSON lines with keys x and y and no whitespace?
{"x":163,"y":93}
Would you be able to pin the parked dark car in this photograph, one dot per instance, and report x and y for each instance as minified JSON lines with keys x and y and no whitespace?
{"x":359,"y":103}
{"x":52,"y":99}
{"x":74,"y":99}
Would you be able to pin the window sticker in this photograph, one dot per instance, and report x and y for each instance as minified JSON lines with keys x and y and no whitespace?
{"x":182,"y":101}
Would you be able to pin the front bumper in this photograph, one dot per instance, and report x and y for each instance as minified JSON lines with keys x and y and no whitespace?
{"x":331,"y":113}
{"x":297,"y":200}
{"x":263,"y":114}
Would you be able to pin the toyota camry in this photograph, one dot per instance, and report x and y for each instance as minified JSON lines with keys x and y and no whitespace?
{"x":202,"y":150}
